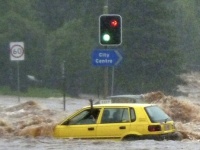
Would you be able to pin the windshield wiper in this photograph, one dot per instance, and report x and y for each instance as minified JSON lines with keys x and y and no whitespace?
{"x":166,"y":120}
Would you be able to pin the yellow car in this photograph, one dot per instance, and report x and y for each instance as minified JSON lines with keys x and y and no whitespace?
{"x":123,"y":121}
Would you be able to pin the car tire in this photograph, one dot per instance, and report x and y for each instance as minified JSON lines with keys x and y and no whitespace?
{"x":177,"y":136}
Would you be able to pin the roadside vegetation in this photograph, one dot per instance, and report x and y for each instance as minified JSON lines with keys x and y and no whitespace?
{"x":32,"y":92}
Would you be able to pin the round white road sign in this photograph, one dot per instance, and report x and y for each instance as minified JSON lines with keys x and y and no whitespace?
{"x":16,"y":51}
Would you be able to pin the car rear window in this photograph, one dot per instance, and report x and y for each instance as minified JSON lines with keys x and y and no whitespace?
{"x":156,"y":114}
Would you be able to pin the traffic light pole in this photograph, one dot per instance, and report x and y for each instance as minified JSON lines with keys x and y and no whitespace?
{"x":113,"y":78}
{"x":110,"y":34}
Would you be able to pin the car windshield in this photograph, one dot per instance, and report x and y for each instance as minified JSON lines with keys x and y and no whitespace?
{"x":156,"y":114}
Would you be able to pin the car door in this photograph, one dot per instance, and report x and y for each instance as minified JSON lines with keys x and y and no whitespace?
{"x":82,"y":125}
{"x":114,"y":123}
{"x":79,"y":131}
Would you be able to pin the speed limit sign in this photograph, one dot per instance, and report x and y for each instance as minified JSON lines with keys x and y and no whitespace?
{"x":17,"y":51}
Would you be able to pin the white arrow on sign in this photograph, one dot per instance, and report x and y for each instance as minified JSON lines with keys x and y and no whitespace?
{"x":119,"y":57}
{"x":16,"y":51}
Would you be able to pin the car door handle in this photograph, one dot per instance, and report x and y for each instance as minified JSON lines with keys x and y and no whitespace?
{"x":122,"y":127}
{"x":91,"y":128}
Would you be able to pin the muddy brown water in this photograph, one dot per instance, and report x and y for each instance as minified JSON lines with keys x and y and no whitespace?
{"x":29,"y":125}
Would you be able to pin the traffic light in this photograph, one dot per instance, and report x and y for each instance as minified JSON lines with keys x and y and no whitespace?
{"x":110,"y":29}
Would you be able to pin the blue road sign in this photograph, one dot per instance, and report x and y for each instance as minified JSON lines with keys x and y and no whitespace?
{"x":106,"y":57}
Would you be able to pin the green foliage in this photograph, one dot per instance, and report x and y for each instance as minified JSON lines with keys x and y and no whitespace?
{"x":32,"y":92}
{"x":156,"y":35}
{"x":150,"y":54}
{"x":187,"y":26}
{"x":71,"y":43}
{"x":19,"y":24}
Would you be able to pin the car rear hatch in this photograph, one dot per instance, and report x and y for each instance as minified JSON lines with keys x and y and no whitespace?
{"x":160,"y":121}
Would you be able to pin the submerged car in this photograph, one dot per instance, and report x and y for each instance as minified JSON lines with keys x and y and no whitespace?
{"x":123,"y":121}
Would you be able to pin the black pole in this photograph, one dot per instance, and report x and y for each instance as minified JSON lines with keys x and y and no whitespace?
{"x":64,"y":84}
{"x":105,"y":11}
{"x":105,"y":79}
{"x":18,"y":81}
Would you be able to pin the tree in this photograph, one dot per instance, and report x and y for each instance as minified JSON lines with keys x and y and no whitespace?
{"x":150,"y":57}
{"x":71,"y":43}
{"x":187,"y":26}
{"x":19,"y":24}
{"x":58,"y":31}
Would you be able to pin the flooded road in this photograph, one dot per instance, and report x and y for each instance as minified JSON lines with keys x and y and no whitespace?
{"x":20,"y":143}
{"x":29,"y":125}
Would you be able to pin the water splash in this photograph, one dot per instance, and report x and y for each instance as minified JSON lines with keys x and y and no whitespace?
{"x":27,"y":119}
{"x":30,"y":119}
{"x":186,"y":114}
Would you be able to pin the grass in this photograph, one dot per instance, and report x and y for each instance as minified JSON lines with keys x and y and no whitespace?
{"x":32,"y":92}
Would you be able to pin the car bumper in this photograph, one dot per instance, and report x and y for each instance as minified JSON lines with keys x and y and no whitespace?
{"x":169,"y":136}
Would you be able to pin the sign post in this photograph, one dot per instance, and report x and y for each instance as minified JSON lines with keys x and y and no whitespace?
{"x":107,"y":58}
{"x":17,"y":54}
{"x":110,"y":34}
{"x":64,"y":84}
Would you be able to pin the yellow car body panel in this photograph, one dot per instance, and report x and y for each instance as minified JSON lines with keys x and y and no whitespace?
{"x":117,"y":130}
{"x":79,"y":131}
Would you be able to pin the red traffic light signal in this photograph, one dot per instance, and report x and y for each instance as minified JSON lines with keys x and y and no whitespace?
{"x":114,"y":23}
{"x":110,"y":29}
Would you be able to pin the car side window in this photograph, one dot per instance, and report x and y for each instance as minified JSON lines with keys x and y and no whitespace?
{"x":115,"y":115}
{"x":85,"y":117}
{"x":106,"y":116}
{"x":124,"y":115}
{"x":132,"y":114}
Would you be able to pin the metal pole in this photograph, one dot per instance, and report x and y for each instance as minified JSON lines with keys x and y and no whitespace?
{"x":105,"y":11}
{"x":64,"y":85}
{"x":113,"y":78}
{"x":105,"y":82}
{"x":18,"y":81}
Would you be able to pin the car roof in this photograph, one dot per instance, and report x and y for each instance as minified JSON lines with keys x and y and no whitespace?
{"x":123,"y":105}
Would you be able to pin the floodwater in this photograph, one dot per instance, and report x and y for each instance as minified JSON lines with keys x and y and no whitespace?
{"x":28,"y":124}
{"x":20,"y":143}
